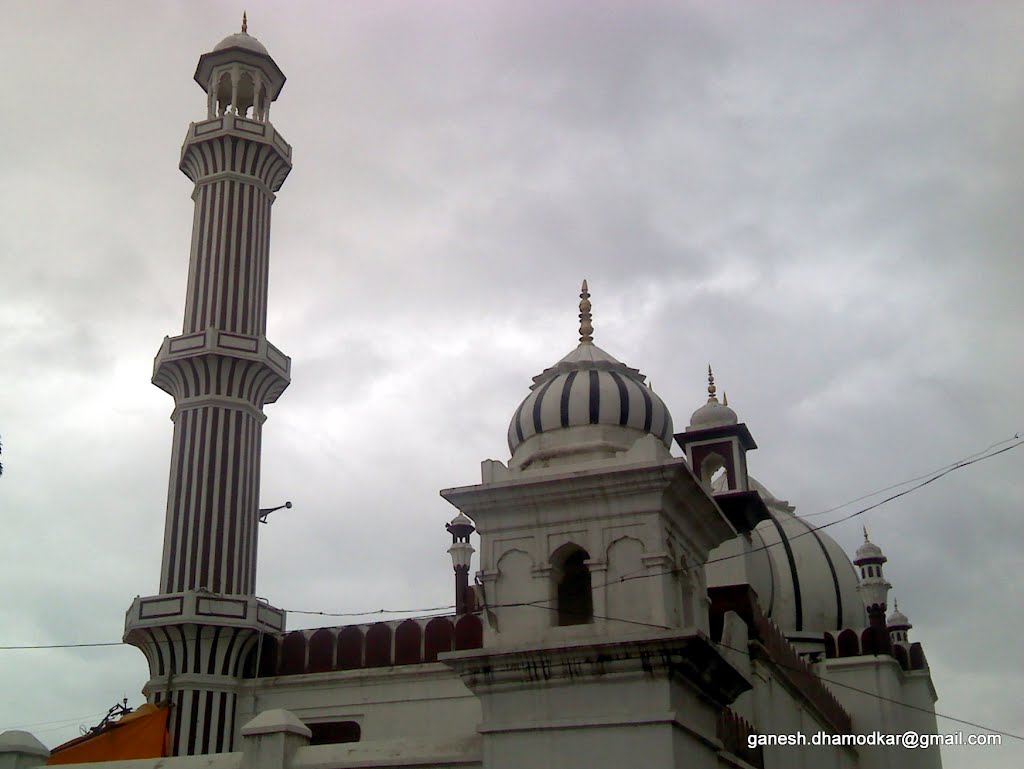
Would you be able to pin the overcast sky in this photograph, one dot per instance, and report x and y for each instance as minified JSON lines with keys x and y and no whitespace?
{"x":822,"y":199}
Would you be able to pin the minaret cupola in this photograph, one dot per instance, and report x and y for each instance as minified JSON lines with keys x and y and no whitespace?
{"x":715,"y":439}
{"x":239,"y":77}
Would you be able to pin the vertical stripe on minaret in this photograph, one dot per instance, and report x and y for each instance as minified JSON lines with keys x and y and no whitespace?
{"x":213,"y":495}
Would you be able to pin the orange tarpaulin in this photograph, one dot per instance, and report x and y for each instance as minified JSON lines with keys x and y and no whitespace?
{"x":139,"y":734}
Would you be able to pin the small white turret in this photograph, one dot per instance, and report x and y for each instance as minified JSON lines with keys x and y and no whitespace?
{"x":898,"y":625}
{"x":874,"y":588}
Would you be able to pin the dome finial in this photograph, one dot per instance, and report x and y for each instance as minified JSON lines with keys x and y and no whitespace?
{"x":711,"y":386}
{"x":586,"y":327}
{"x":725,"y":398}
{"x":866,"y":534}
{"x":245,"y":24}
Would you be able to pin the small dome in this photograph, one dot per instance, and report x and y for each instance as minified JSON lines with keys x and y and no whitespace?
{"x":869,"y":550}
{"x":605,"y":401}
{"x":898,"y":620}
{"x":242,"y":40}
{"x":712,"y":413}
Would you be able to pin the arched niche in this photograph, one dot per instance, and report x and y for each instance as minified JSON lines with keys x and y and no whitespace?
{"x":407,"y":643}
{"x":350,"y":648}
{"x":438,"y":637}
{"x":378,"y":646}
{"x":573,"y":591}
{"x":321,"y":651}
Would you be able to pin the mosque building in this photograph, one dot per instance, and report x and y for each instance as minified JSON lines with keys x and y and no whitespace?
{"x":630,"y":607}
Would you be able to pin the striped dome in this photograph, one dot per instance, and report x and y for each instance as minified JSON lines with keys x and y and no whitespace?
{"x":803,"y":579}
{"x":589,"y":387}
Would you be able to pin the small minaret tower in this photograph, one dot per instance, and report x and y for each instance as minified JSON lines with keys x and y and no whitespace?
{"x":461,"y":552}
{"x":716,"y":439}
{"x":874,"y":589}
{"x":199,"y":630}
{"x":899,"y":625}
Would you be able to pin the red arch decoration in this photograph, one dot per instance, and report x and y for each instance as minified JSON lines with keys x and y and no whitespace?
{"x":848,"y":643}
{"x":437,"y":638}
{"x":321,"y":651}
{"x":350,"y":648}
{"x":469,"y":633}
{"x":293,"y":653}
{"x":407,"y":643}
{"x":378,"y":646}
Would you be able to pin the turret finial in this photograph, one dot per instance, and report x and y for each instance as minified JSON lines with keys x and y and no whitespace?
{"x":586,"y":327}
{"x":245,"y":24}
{"x":725,"y":398}
{"x":711,"y":386}
{"x":865,"y":533}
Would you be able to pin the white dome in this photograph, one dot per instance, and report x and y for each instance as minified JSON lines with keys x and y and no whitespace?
{"x":869,"y":550}
{"x":242,"y":40}
{"x":590,"y":387}
{"x":712,"y":414}
{"x":803,"y":579}
{"x":898,"y":620}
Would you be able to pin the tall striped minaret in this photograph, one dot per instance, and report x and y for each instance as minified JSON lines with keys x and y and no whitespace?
{"x":198,"y":633}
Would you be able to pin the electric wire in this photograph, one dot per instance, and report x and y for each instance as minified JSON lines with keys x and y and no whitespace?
{"x":925,"y":480}
{"x":966,"y":462}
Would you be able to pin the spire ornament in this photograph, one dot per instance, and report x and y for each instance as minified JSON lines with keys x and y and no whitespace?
{"x":711,"y":386}
{"x":245,"y":24}
{"x":586,"y":327}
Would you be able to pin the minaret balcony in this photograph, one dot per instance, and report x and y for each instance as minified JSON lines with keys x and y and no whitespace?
{"x":200,"y":607}
{"x":203,"y":166}
{"x":184,"y":366}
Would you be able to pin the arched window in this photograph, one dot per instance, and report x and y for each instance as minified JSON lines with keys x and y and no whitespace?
{"x":223,"y":94}
{"x":711,"y":468}
{"x":574,"y":596}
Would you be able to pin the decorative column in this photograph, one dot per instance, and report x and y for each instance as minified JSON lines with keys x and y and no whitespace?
{"x":221,"y":371}
{"x":461,"y":552}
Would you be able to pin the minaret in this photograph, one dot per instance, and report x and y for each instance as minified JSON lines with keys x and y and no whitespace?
{"x":874,"y":589}
{"x":221,"y":371}
{"x":461,"y":552}
{"x":898,"y":625}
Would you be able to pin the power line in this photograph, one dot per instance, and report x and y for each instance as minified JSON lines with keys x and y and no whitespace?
{"x":985,"y":450}
{"x":970,"y":460}
{"x":58,"y":721}
{"x":62,"y":646}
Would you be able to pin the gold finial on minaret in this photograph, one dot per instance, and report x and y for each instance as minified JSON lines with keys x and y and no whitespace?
{"x":711,"y":386}
{"x":586,"y":327}
{"x":245,"y":24}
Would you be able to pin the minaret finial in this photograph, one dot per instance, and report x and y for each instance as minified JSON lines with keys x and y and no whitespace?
{"x":586,"y":327}
{"x":711,"y":386}
{"x":725,"y":398}
{"x":245,"y":24}
{"x":865,"y":533}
